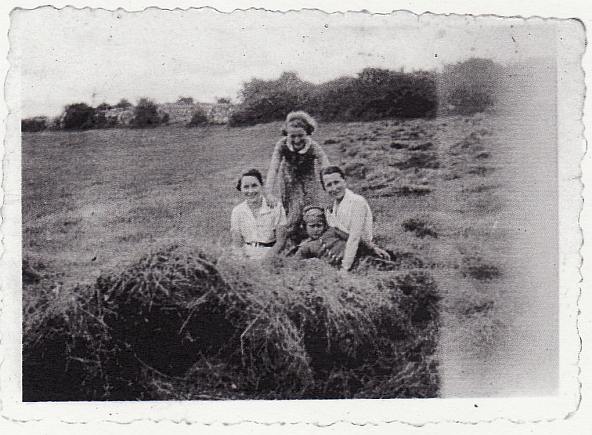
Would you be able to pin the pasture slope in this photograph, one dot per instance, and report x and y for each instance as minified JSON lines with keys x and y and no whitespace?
{"x":96,"y":202}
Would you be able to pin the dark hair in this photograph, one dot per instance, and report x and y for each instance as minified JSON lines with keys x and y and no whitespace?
{"x":307,"y":128}
{"x":250,"y":173}
{"x":331,"y":170}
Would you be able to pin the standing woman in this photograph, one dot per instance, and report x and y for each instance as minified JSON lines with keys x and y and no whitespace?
{"x":295,"y":165}
{"x":258,"y":230}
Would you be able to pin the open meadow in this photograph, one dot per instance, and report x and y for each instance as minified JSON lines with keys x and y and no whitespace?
{"x":463,"y":201}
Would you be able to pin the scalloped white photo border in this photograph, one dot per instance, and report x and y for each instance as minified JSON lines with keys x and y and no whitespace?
{"x":414,"y":413}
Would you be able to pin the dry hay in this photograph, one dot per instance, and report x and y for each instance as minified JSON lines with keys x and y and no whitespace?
{"x":181,"y":324}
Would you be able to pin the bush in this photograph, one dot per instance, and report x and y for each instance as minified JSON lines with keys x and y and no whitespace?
{"x":471,"y":86}
{"x":198,"y":119}
{"x":33,"y":125}
{"x":266,"y":101}
{"x":192,"y":325}
{"x":79,"y":116}
{"x":375,"y":94}
{"x":123,"y":104}
{"x":146,"y":114}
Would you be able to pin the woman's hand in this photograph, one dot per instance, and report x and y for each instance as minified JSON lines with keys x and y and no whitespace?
{"x":381,"y":253}
{"x":270,"y":199}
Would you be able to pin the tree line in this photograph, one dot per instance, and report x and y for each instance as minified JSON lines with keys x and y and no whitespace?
{"x":374,"y":94}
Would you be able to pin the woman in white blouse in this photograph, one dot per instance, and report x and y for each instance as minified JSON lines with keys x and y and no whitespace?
{"x":258,"y":230}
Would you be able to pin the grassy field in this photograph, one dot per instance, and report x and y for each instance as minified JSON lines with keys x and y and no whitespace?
{"x":95,"y":202}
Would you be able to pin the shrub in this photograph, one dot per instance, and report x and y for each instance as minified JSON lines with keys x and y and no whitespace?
{"x":181,"y":324}
{"x":146,"y":114}
{"x":79,"y":116}
{"x":123,"y":104}
{"x":470,"y":86}
{"x":33,"y":125}
{"x":266,"y":101}
{"x":198,"y":119}
{"x":375,"y":94}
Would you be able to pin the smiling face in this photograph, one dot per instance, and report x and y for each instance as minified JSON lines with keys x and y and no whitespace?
{"x":296,"y":137}
{"x":335,"y":185}
{"x":251,"y":188}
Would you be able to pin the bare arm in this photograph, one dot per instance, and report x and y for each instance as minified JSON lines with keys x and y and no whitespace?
{"x":274,"y":166}
{"x":320,"y":155}
{"x":237,"y":239}
{"x":280,"y":240}
{"x":235,"y":234}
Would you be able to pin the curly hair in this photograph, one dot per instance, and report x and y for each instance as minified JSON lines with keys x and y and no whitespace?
{"x":301,"y":119}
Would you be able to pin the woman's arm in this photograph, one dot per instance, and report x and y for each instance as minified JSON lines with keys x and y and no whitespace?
{"x":281,"y":231}
{"x":274,"y":166}
{"x":320,"y":155}
{"x":280,"y":240}
{"x":235,"y":234}
{"x":237,"y":239}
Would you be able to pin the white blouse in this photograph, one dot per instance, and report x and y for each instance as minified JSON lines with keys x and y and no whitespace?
{"x":260,"y":228}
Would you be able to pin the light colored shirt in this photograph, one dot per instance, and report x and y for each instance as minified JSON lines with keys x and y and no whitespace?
{"x":352,"y":215}
{"x":259,"y":228}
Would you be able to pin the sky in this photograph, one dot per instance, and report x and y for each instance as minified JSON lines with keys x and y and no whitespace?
{"x":96,"y":56}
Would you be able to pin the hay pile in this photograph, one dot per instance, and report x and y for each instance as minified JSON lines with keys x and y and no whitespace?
{"x":189,"y":325}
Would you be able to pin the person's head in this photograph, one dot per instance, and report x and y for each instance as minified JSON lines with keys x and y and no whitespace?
{"x":250,"y":184}
{"x":314,"y":220}
{"x":333,"y":181}
{"x":301,"y":119}
{"x":299,"y":125}
{"x":296,"y":137}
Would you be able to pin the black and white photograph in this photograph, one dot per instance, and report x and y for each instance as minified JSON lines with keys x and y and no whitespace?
{"x":257,"y":206}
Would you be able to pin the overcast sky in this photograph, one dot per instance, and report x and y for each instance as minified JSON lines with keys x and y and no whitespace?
{"x":99,"y":56}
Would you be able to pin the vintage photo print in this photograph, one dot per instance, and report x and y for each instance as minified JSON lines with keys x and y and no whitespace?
{"x":263,"y":213}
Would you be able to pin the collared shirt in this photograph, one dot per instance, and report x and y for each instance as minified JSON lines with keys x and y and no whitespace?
{"x":304,"y":150}
{"x":352,"y":215}
{"x":259,"y":228}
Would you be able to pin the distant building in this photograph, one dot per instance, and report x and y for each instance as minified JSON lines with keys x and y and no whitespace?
{"x":119,"y":116}
{"x":181,"y":112}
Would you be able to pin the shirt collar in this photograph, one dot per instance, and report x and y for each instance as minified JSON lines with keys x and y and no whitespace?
{"x":347,"y":196}
{"x":265,"y":208}
{"x":303,"y":150}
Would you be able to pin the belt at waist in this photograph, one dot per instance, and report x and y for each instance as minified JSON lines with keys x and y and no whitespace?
{"x":257,"y":244}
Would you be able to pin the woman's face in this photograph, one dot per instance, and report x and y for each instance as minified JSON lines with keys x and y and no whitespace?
{"x":334,"y":185}
{"x":251,"y":188}
{"x":297,"y":137}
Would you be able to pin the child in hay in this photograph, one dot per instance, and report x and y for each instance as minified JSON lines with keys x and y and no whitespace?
{"x":328,"y":243}
{"x":295,"y":165}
